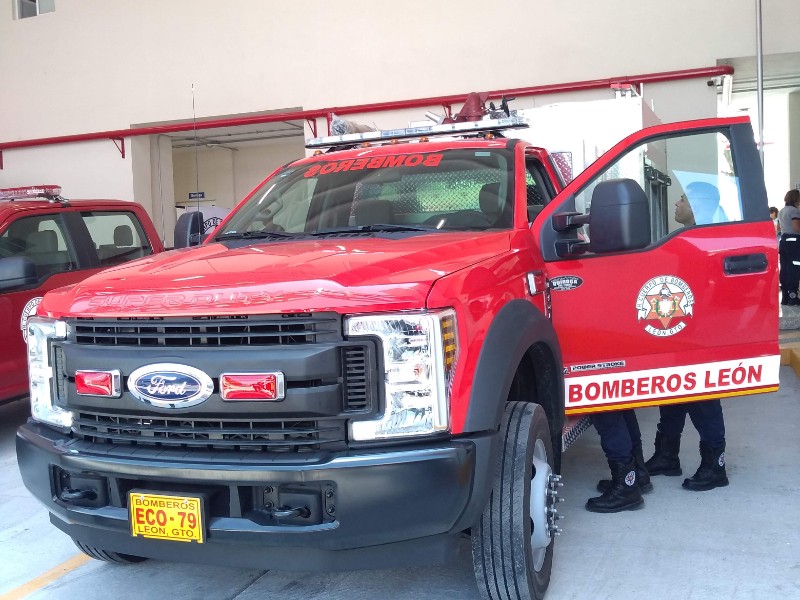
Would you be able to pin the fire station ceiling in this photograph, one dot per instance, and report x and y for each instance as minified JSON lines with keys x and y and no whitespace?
{"x":236,"y":137}
{"x":780,"y":72}
{"x":231,"y":137}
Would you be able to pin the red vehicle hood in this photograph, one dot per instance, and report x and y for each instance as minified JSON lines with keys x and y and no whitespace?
{"x":344,"y":275}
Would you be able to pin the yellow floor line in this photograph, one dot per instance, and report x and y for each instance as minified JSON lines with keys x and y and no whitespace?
{"x":47,"y":578}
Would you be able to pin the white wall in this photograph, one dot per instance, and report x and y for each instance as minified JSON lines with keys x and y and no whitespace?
{"x":213,"y":176}
{"x":94,"y":65}
{"x":777,"y":175}
{"x":253,"y":164}
{"x":793,"y":130}
{"x":227,"y":176}
{"x":83,"y":170}
{"x":152,"y":182}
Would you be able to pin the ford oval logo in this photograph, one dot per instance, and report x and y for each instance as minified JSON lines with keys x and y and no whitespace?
{"x":170,"y":385}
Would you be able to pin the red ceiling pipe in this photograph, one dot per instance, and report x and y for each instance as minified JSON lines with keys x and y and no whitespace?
{"x":325,"y":113}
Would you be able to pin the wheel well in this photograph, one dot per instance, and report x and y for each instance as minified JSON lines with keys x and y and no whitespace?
{"x":538,"y":371}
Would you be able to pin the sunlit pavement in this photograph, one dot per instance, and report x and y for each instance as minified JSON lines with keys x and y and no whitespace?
{"x":738,"y":542}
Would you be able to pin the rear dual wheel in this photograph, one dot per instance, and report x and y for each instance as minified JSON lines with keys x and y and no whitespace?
{"x":512,"y":545}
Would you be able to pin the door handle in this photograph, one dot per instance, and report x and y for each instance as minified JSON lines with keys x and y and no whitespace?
{"x":745,"y":263}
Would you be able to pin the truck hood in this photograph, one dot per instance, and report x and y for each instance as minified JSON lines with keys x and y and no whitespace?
{"x":344,"y":275}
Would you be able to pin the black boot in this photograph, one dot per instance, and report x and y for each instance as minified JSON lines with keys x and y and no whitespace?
{"x":711,"y":472}
{"x":665,"y":461}
{"x":624,"y":493}
{"x":642,"y":476}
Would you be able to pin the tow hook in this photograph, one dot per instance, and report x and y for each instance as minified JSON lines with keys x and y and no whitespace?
{"x":285,"y":512}
{"x":70,"y":495}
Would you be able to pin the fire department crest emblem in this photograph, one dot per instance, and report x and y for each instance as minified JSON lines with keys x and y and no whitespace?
{"x":664,"y":303}
{"x":30,"y":309}
{"x":630,"y":478}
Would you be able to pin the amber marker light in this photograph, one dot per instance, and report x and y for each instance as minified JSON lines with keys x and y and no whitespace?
{"x":449,"y":342}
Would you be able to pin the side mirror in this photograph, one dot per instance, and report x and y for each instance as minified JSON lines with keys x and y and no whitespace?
{"x":189,"y":229}
{"x":619,"y":219}
{"x":17,"y":271}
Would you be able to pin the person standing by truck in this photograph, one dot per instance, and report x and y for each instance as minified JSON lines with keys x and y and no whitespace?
{"x":696,"y":207}
{"x":773,"y":214}
{"x":621,"y":441}
{"x":789,"y":248}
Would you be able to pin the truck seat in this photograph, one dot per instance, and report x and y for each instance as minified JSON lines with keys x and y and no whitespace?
{"x":493,"y":207}
{"x":122,"y":248}
{"x":42,"y":249}
{"x":371,"y":212}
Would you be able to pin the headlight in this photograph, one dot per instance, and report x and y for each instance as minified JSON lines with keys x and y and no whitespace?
{"x":419,"y":353}
{"x":41,"y":332}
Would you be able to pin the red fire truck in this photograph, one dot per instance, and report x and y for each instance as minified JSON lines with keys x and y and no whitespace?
{"x":379,"y":349}
{"x":47,"y":242}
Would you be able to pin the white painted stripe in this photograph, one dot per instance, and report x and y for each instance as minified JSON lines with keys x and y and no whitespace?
{"x":47,"y":578}
{"x":689,"y":380}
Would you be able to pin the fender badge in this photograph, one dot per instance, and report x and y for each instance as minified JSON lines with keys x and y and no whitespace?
{"x":565,"y":283}
{"x":30,"y":309}
{"x":664,"y":303}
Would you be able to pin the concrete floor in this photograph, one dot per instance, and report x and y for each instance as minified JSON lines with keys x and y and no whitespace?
{"x":789,"y":318}
{"x":740,"y":542}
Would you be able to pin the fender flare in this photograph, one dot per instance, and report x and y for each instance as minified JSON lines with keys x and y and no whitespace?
{"x":517,"y":326}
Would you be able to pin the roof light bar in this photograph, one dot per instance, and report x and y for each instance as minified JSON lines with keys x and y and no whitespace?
{"x":31,"y":191}
{"x":464,"y":128}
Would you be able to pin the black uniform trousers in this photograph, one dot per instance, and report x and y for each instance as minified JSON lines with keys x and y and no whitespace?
{"x":789,"y":253}
{"x":706,"y":417}
{"x":619,"y":434}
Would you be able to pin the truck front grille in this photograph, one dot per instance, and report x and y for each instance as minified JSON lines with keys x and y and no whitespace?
{"x":229,"y":434}
{"x":239,"y":330}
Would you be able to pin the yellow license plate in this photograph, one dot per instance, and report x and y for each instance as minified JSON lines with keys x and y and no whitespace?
{"x":178,"y":518}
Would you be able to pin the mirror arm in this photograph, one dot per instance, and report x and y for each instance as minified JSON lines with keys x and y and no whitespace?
{"x":569,"y":220}
{"x":573,"y":247}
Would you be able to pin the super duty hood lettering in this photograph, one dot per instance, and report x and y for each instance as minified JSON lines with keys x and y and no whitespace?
{"x":296,"y":276}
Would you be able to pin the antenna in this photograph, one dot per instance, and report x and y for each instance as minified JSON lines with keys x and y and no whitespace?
{"x":196,"y":168}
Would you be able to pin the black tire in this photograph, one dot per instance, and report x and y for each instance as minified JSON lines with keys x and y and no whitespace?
{"x":107,"y":556}
{"x":512,"y":544}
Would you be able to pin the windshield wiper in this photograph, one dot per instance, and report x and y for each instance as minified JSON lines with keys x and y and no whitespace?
{"x":376,"y":227}
{"x":252,"y":235}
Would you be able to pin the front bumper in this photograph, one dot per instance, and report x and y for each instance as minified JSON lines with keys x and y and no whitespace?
{"x":377,"y":508}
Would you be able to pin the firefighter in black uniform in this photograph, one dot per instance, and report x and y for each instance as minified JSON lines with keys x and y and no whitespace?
{"x":622,"y":444}
{"x":699,"y":206}
{"x":789,"y":248}
{"x":619,"y":431}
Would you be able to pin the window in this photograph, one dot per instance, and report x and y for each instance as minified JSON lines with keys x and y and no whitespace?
{"x":537,"y":194}
{"x":689,"y":180}
{"x":448,"y":190}
{"x":117,"y":236}
{"x":43,"y":240}
{"x":33,"y":8}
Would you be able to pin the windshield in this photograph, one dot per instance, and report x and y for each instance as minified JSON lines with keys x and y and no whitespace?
{"x":447,"y":190}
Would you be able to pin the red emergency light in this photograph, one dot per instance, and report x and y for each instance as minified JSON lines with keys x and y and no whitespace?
{"x":31,"y":191}
{"x":98,"y":383}
{"x":251,"y":386}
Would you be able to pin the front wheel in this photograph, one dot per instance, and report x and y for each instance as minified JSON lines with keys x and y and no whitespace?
{"x":512,"y":544}
{"x":108,"y":556}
